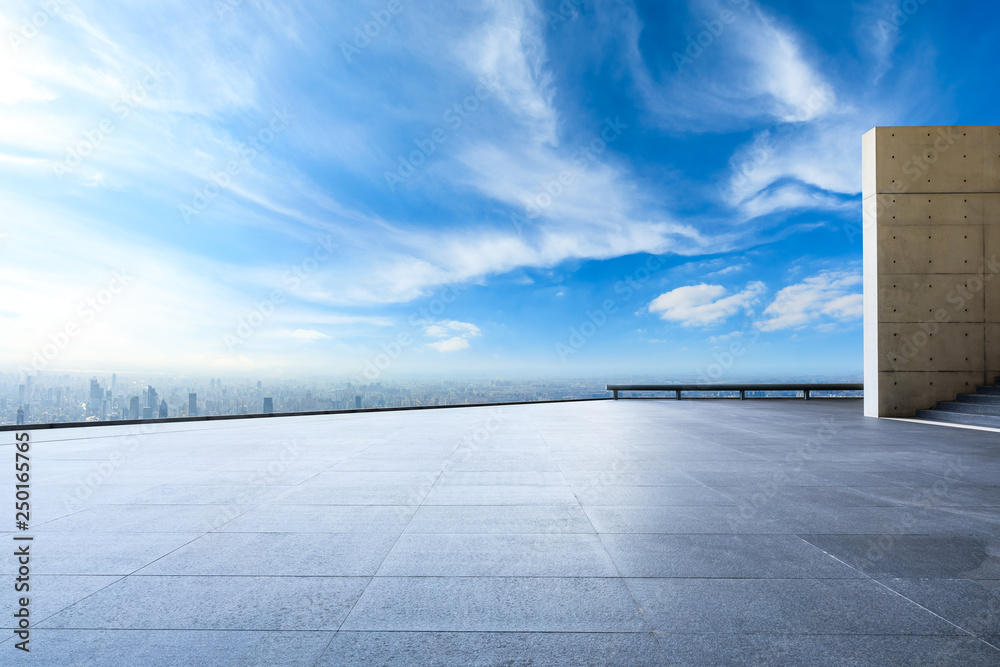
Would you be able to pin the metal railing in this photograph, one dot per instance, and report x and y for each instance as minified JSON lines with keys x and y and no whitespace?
{"x":804,"y":387}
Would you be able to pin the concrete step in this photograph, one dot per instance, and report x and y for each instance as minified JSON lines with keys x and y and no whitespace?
{"x":989,"y":390}
{"x":969,"y":408}
{"x":959,"y":418}
{"x":978,"y":398}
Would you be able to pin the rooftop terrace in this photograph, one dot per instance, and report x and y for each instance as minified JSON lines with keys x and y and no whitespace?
{"x":629,"y":532}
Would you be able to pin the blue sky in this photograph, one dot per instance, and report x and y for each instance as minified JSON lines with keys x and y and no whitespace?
{"x":393,"y":187}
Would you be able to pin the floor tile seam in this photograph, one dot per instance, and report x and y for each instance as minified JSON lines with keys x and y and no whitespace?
{"x":638,"y":607}
{"x":389,"y":551}
{"x":35,"y":526}
{"x":897,"y":593}
{"x":195,"y":539}
{"x":76,"y":602}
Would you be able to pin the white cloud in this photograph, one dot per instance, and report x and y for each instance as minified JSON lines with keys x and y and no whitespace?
{"x":815,"y":302}
{"x":450,"y":345}
{"x":454,"y":335}
{"x":702,"y":305}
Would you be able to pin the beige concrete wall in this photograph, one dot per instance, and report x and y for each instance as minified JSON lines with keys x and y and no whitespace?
{"x":931,"y":280}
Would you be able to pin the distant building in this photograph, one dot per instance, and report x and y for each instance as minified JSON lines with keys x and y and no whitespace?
{"x":357,"y":402}
{"x":268,"y":408}
{"x":96,"y":397}
{"x":20,"y":394}
{"x":192,"y":405}
{"x":151,"y":397}
{"x":147,"y":412}
{"x":114,"y":381}
{"x":163,"y":409}
{"x":20,"y":415}
{"x":134,"y":408}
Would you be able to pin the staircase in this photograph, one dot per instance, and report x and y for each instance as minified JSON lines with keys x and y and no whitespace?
{"x":979,"y":409}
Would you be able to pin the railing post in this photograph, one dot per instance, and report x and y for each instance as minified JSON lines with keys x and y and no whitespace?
{"x":743,"y":394}
{"x":678,"y":394}
{"x":805,"y":394}
{"x":616,"y":393}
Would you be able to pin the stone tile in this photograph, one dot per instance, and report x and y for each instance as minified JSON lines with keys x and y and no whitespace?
{"x":277,"y":518}
{"x":80,"y":553}
{"x":173,"y":648}
{"x":502,"y":478}
{"x":278,"y":554}
{"x":525,"y":519}
{"x":204,"y":494}
{"x":494,"y":462}
{"x":496,"y":604}
{"x":215,"y":603}
{"x":646,"y":478}
{"x":777,"y":477}
{"x":434,"y":465}
{"x":500,"y":495}
{"x":974,"y":606}
{"x":796,"y":606}
{"x":367,"y":478}
{"x":352,"y":495}
{"x":722,"y":556}
{"x":683,"y":519}
{"x":915,"y":556}
{"x":443,"y":649}
{"x":944,"y":494}
{"x":885,"y":478}
{"x":802,"y":497}
{"x":144,"y":519}
{"x":651,"y":495}
{"x":50,"y":594}
{"x":736,"y":650}
{"x":567,"y":555}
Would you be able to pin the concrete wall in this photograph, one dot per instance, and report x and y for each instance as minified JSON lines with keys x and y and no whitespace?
{"x":931,"y":279}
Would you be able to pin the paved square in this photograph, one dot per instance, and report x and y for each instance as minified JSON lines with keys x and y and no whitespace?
{"x":700,"y":532}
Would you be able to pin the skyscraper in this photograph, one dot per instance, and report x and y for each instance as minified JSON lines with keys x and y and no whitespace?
{"x":134,"y":407}
{"x":96,"y":397}
{"x":268,"y":406}
{"x":192,"y":405}
{"x":357,"y":402}
{"x":20,"y":415}
{"x":151,"y":397}
{"x":163,"y":409}
{"x":21,"y":394}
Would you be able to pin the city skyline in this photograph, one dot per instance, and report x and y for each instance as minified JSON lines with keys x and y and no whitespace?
{"x":65,"y":398}
{"x":558,"y":189}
